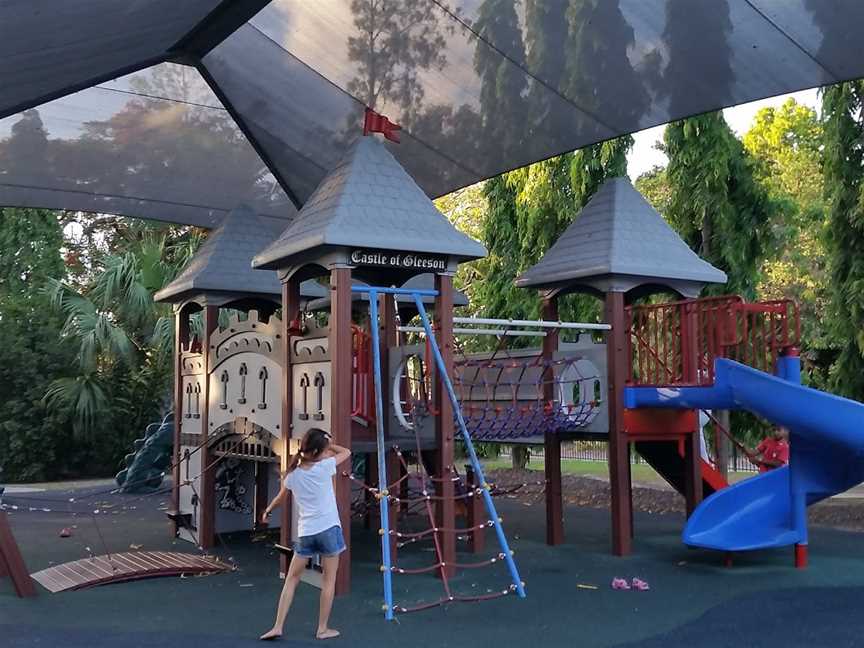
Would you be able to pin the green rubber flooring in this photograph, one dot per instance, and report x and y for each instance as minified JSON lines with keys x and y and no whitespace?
{"x":693,"y":601}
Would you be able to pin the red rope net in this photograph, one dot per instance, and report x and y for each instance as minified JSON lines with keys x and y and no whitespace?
{"x":414,"y":493}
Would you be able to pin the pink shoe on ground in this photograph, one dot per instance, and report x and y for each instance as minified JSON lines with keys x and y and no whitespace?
{"x":620,"y":584}
{"x":640,"y":585}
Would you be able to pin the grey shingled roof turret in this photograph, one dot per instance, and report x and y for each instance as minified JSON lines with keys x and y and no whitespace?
{"x":222,"y":263}
{"x":368,"y":200}
{"x":619,"y":234}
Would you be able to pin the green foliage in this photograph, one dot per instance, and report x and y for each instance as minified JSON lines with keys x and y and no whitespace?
{"x":85,"y":354}
{"x":786,"y":144}
{"x":843,"y":170}
{"x":33,"y":442}
{"x":654,"y":185}
{"x":716,"y":205}
{"x":119,"y":329}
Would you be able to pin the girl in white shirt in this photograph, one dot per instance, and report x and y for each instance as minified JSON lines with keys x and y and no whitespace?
{"x":310,"y":479}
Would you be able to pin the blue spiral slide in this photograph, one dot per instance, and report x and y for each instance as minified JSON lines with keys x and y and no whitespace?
{"x":826,"y":448}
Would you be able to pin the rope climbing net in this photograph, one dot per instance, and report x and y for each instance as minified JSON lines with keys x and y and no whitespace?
{"x":435,"y":530}
{"x":413,"y":497}
{"x":505,"y":395}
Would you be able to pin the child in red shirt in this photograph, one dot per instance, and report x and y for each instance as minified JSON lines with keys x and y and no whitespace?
{"x":773,"y":452}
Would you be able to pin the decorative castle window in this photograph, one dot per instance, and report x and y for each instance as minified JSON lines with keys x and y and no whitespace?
{"x":304,"y":385}
{"x":188,"y":413}
{"x":224,"y":378}
{"x":319,"y":384}
{"x":197,"y":392}
{"x":262,"y":377}
{"x":243,"y":372}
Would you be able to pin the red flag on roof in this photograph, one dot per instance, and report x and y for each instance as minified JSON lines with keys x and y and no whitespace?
{"x":375,"y":123}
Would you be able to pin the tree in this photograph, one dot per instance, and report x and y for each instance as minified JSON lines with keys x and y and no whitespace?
{"x":395,"y":40}
{"x":33,"y":441}
{"x":716,"y":205}
{"x":786,"y":145}
{"x":843,"y":172}
{"x":654,"y":185}
{"x":124,"y":339}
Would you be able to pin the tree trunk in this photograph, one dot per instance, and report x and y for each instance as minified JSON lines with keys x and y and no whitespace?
{"x":520,"y":456}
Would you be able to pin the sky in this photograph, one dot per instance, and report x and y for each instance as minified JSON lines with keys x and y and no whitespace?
{"x":644,"y":156}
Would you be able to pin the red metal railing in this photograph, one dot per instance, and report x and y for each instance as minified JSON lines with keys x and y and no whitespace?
{"x":676,"y":343}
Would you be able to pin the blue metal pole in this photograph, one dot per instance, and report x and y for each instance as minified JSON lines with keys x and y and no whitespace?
{"x":475,"y":463}
{"x":383,"y":494}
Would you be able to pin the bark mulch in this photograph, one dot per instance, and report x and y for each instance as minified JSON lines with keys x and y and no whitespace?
{"x":593,"y":492}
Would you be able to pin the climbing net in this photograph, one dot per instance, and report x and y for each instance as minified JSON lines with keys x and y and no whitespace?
{"x":504,"y":395}
{"x":413,"y":497}
{"x":440,"y":487}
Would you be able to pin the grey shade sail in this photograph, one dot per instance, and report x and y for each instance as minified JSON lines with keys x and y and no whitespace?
{"x":368,"y":200}
{"x":485,"y":88}
{"x":222,"y":266}
{"x":617,"y":242}
{"x":123,"y":148}
{"x":425,"y":281}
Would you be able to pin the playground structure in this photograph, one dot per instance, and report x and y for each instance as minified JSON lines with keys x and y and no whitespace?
{"x":248,"y":391}
{"x":252,"y":381}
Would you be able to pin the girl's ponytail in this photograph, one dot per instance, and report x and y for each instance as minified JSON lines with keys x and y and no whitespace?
{"x":292,"y":465}
{"x":313,"y":444}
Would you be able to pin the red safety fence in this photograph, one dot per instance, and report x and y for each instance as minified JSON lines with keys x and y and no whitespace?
{"x":676,"y":343}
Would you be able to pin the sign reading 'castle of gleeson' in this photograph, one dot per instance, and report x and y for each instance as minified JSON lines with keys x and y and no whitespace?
{"x":399,"y":260}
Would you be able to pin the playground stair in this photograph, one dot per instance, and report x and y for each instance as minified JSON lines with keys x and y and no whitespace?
{"x":667,"y":458}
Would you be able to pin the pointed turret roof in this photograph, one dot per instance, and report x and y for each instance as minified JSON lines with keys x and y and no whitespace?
{"x":222,"y":263}
{"x":368,"y":200}
{"x":618,"y":242}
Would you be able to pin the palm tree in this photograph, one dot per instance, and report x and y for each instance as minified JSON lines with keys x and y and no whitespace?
{"x":119,"y":329}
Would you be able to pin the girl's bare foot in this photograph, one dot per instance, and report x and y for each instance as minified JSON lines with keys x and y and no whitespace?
{"x":327,"y":633}
{"x":270,"y":635}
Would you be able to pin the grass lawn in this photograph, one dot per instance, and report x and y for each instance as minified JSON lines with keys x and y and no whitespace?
{"x":642,"y":473}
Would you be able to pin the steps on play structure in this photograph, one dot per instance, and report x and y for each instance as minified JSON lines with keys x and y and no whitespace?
{"x":123,"y":567}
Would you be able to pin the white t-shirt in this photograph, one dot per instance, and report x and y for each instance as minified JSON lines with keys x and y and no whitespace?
{"x":313,"y":492}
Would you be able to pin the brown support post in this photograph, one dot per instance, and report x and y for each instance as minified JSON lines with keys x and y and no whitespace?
{"x":389,"y":336}
{"x":206,"y":485}
{"x":262,"y":491}
{"x":692,"y":463}
{"x":11,"y":562}
{"x":340,"y":404}
{"x":476,"y":510}
{"x":290,"y":314}
{"x":619,"y":452}
{"x":446,"y":506}
{"x":551,"y":440}
{"x":692,"y":473}
{"x":181,"y":337}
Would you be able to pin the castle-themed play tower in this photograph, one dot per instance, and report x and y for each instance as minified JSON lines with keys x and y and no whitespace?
{"x":367,"y":220}
{"x":227,"y":399}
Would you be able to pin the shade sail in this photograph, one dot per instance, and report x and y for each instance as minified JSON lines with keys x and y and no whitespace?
{"x":479,"y":88}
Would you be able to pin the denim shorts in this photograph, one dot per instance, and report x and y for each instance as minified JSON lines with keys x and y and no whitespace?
{"x":326,"y":543}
